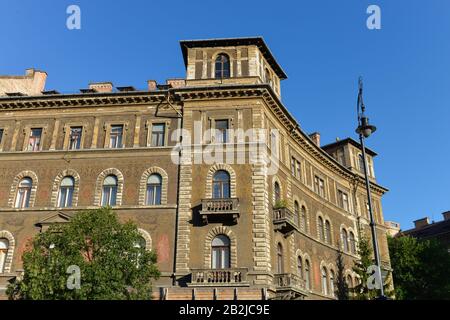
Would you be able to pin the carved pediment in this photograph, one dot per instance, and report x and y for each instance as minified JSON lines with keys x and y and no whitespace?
{"x":59,"y":217}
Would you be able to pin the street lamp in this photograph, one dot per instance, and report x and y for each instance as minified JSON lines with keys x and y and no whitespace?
{"x":364,"y":130}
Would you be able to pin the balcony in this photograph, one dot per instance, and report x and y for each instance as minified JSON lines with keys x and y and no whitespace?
{"x":284,"y":220}
{"x":219,"y":277}
{"x":220,"y":210}
{"x":289,"y":286}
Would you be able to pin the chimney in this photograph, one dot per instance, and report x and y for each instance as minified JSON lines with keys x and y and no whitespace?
{"x":421,"y":223}
{"x":151,"y":85}
{"x":101,"y":86}
{"x":176,"y":83}
{"x":315,"y":137}
{"x":446,"y":215}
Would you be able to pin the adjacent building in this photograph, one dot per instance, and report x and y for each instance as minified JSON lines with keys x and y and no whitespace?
{"x":425,"y":230}
{"x":258,"y":224}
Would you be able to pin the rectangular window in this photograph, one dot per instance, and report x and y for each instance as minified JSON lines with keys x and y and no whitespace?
{"x":296,"y":168}
{"x":319,"y":186}
{"x":293,"y":166}
{"x":116,"y":135}
{"x":341,"y":157}
{"x":158,"y":135}
{"x":75,"y":138}
{"x":34,"y":140}
{"x":1,"y":135}
{"x":298,"y":172}
{"x":343,"y":200}
{"x":221,"y":131}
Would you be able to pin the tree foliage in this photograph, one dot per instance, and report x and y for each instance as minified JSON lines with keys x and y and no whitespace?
{"x":420,"y":268}
{"x":361,"y":290}
{"x":342,"y":289}
{"x":112,"y":265}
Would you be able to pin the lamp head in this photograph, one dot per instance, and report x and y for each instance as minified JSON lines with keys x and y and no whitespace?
{"x":365,"y":128}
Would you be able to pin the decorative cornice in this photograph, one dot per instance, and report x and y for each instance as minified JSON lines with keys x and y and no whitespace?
{"x":185,"y":94}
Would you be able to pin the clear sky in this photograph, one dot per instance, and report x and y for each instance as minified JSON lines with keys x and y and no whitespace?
{"x":323,"y":45}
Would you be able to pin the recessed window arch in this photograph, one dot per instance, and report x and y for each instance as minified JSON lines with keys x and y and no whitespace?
{"x":307,"y":274}
{"x":344,"y":239}
{"x":349,"y":281}
{"x":332,"y":279}
{"x":220,"y":252}
{"x":300,"y":266}
{"x":66,"y":190}
{"x":303,"y":219}
{"x":4,"y":247}
{"x":24,"y":193}
{"x":277,"y":191}
{"x":320,"y":227}
{"x":280,"y":259}
{"x":109,"y":191}
{"x":7,"y":245}
{"x":328,"y":232}
{"x":222,"y":66}
{"x":221,"y":185}
{"x":352,"y":242}
{"x":297,"y":217}
{"x":154,"y":188}
{"x":109,"y":184}
{"x":268,"y":77}
{"x":324,"y":277}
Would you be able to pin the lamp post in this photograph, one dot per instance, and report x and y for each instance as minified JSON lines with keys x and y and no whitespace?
{"x":364,"y":130}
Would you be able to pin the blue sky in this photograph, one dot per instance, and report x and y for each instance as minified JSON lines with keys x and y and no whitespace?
{"x":323,"y":45}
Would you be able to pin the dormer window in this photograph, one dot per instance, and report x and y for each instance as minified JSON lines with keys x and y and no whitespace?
{"x":222,"y":66}
{"x":268,"y":78}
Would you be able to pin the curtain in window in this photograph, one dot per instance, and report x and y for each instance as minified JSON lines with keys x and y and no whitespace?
{"x":221,"y":185}
{"x":66,"y":192}
{"x":154,"y":184}
{"x":220,"y":252}
{"x":109,"y":195}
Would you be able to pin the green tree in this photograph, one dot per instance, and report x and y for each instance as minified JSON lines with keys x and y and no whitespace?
{"x":420,"y":268}
{"x":361,"y":290}
{"x":112,"y":266}
{"x":342,"y":290}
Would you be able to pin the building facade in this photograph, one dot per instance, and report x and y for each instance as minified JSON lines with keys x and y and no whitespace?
{"x":226,"y":221}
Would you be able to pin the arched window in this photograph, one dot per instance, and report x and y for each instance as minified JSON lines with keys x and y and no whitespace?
{"x":24,"y":193}
{"x":307,"y":275}
{"x":4,"y":245}
{"x":303,"y":221}
{"x":109,"y":194}
{"x":280,"y":264}
{"x":328,"y":231}
{"x":277,"y":191}
{"x":349,"y":282}
{"x":154,"y":184}
{"x":345,"y":240}
{"x":222,"y":66}
{"x":221,"y":185}
{"x":220,"y":252}
{"x":66,"y":192}
{"x":352,"y":243}
{"x":324,"y":281}
{"x":296,"y":213}
{"x":320,"y":227}
{"x":300,"y":267}
{"x":332,"y":293}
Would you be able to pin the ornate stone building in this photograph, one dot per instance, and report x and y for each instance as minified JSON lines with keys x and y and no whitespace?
{"x":222,"y":229}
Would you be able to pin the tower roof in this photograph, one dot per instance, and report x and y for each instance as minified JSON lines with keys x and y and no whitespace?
{"x":232,"y":42}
